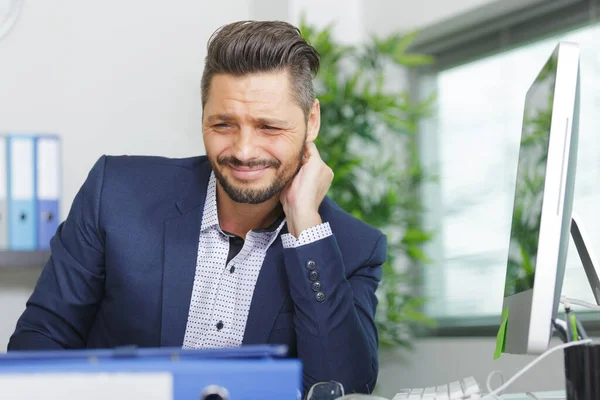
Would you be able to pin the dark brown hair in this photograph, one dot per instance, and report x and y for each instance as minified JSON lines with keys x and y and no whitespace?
{"x":247,"y":47}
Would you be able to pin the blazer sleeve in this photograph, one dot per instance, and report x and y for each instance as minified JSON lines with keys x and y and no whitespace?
{"x":63,"y":305}
{"x":335,"y":314}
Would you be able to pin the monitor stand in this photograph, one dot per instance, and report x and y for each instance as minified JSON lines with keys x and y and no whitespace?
{"x":586,"y":255}
{"x":589,"y":262}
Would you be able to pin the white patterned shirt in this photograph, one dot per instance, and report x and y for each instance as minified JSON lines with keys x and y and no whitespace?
{"x":223,"y":290}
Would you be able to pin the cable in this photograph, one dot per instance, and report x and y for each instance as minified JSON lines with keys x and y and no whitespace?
{"x":560,"y":328}
{"x":12,"y":17}
{"x":489,"y":380}
{"x":591,"y":306}
{"x":582,"y":333}
{"x":571,"y":333}
{"x":498,"y":390}
{"x":567,"y":301}
{"x":564,"y":329}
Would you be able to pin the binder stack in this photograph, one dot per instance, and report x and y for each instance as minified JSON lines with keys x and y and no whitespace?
{"x":29,"y":191}
{"x":247,"y":373}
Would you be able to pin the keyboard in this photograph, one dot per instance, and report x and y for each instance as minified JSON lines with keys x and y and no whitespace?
{"x":463,"y":389}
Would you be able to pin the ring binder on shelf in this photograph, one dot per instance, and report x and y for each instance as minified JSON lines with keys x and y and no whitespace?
{"x":48,"y":188}
{"x":22,"y":225}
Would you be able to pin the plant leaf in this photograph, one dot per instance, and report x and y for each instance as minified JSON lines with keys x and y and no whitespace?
{"x":413,"y":60}
{"x":362,"y":118}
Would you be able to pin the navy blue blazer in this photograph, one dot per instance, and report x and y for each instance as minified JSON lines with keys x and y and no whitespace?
{"x":122,"y":268}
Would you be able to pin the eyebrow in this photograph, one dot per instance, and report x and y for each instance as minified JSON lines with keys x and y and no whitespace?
{"x":220,"y":117}
{"x":264,"y":120}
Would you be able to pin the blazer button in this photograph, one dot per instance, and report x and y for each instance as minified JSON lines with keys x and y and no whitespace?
{"x":219,"y":325}
{"x":316,"y":286}
{"x":311,"y":265}
{"x":313,"y":276}
{"x":320,"y":296}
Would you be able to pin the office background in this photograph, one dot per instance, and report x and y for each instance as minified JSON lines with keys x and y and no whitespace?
{"x":122,"y":77}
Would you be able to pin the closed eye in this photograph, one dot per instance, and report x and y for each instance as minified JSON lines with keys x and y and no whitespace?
{"x":223,"y":127}
{"x":270,"y":128}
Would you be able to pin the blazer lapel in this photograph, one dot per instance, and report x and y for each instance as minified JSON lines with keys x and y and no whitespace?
{"x":269,"y":293}
{"x":180,"y":256}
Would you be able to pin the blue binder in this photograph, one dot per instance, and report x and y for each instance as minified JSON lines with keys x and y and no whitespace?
{"x":246,"y":373}
{"x":22,"y":221}
{"x":47,"y":188}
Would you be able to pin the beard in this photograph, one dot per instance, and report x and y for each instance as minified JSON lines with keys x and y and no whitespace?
{"x":240,"y":194}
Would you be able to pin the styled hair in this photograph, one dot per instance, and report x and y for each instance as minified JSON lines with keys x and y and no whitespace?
{"x":248,"y":47}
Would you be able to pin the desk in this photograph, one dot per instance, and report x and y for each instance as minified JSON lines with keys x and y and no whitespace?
{"x":553,"y":395}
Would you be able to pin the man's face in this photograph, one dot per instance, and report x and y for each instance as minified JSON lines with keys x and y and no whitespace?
{"x":255,"y":134}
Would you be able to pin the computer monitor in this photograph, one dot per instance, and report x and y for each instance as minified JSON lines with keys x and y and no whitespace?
{"x":543,"y":201}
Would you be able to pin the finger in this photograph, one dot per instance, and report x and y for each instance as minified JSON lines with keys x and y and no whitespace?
{"x":311,"y":150}
{"x":305,"y":156}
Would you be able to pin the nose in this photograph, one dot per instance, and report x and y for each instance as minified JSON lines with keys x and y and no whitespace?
{"x":245,"y":145}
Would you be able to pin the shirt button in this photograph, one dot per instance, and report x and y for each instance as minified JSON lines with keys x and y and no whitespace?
{"x":219,"y":325}
{"x":313,"y":276}
{"x":232,"y":269}
{"x":316,"y":286}
{"x":320,"y":296}
{"x":311,"y":265}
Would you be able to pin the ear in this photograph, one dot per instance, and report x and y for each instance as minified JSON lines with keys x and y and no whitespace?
{"x":314,"y":122}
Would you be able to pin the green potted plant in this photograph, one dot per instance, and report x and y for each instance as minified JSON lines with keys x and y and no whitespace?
{"x":369,"y":138}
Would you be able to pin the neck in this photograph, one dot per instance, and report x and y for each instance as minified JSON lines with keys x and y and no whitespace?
{"x":240,"y":218}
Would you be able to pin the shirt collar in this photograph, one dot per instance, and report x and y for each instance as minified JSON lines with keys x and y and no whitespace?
{"x":210,"y":217}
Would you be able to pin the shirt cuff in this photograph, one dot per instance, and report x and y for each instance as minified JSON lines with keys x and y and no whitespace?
{"x":307,"y":236}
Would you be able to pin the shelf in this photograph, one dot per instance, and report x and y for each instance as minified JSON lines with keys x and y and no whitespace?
{"x":23,"y":259}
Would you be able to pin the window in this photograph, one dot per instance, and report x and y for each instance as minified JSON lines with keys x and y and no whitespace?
{"x":477,"y":132}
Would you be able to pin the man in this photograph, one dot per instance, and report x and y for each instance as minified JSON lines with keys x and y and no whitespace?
{"x":241,"y":246}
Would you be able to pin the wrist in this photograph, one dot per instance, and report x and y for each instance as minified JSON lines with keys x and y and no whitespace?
{"x":301,"y":220}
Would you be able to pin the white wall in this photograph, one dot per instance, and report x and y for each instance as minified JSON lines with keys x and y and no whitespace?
{"x":347,"y":16}
{"x":15,"y":288}
{"x":109,"y":77}
{"x":384,"y":16}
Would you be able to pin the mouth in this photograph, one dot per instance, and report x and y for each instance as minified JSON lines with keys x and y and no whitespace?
{"x":247,"y":174}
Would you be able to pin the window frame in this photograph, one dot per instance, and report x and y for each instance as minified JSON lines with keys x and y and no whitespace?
{"x":498,"y":27}
{"x":473,"y":36}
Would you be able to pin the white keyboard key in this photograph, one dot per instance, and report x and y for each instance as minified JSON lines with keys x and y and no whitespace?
{"x":429,"y":394}
{"x":470,"y":386}
{"x":402,"y":394}
{"x":456,"y":392}
{"x":463,"y":389}
{"x":416,"y":394}
{"x":441,"y":393}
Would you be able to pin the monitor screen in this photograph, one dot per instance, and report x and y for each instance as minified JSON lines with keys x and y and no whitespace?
{"x":529,"y":188}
